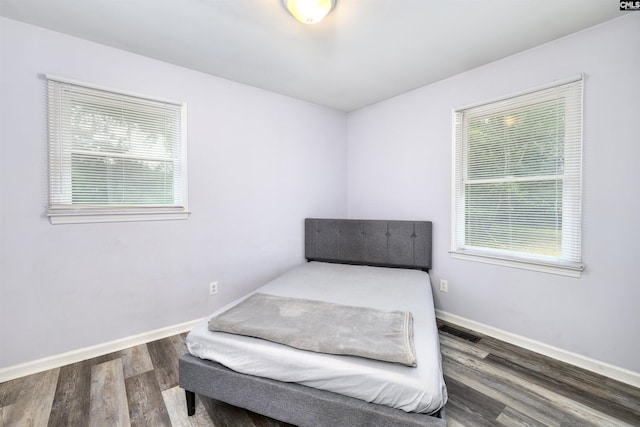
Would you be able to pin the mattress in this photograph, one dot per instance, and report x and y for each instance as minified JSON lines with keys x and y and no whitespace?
{"x":418,"y":389}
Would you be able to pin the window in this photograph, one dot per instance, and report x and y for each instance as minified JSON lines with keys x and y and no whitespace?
{"x":114,"y":156}
{"x":518,"y":180}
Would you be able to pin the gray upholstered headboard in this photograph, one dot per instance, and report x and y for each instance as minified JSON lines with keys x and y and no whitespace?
{"x":404,"y":244}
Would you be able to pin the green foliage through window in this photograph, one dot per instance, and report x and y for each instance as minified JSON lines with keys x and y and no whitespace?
{"x":518,"y":169}
{"x":109,"y":149}
{"x":514,"y":170}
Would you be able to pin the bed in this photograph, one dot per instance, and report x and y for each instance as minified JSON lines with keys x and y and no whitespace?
{"x":355,"y":262}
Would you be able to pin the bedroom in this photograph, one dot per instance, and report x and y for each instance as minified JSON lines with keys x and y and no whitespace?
{"x":70,"y":287}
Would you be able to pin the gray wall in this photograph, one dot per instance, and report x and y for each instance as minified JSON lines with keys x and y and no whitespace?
{"x":259,"y":163}
{"x":400,"y":167}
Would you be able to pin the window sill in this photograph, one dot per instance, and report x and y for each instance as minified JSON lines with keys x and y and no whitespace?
{"x":82,"y":217}
{"x":569,"y":270}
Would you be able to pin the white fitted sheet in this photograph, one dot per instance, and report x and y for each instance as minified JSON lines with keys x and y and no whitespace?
{"x":420,"y":389}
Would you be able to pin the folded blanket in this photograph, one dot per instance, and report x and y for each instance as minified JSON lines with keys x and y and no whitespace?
{"x":322,"y":327}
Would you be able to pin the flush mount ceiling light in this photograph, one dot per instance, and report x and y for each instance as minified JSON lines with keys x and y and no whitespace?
{"x":309,"y":11}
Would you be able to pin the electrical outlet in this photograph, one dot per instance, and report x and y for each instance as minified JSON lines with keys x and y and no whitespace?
{"x":213,"y":288}
{"x":444,"y":285}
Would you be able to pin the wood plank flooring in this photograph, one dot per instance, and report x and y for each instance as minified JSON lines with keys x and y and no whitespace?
{"x":490,"y":383}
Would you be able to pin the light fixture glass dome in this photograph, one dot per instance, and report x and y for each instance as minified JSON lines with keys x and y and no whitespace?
{"x":309,"y":11}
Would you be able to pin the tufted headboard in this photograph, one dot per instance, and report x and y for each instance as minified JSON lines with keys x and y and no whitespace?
{"x":405,"y":244}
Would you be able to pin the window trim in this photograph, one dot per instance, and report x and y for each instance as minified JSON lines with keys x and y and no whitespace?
{"x":569,"y":269}
{"x":507,"y":258}
{"x":71,"y":216}
{"x":77,"y":214}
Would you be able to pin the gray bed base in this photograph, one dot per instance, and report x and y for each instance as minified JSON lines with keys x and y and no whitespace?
{"x":289,"y":402}
{"x":405,"y":244}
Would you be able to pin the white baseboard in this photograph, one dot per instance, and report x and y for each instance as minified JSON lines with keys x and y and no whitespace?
{"x":52,"y":362}
{"x":624,"y":375}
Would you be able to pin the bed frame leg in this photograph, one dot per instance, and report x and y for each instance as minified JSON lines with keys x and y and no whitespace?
{"x":191,"y":402}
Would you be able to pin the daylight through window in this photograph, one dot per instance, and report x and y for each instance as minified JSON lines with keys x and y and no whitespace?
{"x":517,"y":179}
{"x":114,"y":156}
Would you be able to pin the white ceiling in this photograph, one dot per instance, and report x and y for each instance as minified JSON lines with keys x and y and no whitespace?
{"x":363,"y":52}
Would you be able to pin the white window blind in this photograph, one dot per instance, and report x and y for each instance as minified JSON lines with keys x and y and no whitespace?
{"x":114,"y":154}
{"x":518,"y":178}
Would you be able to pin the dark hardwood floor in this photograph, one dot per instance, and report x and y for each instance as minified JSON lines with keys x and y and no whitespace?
{"x":490,"y":383}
